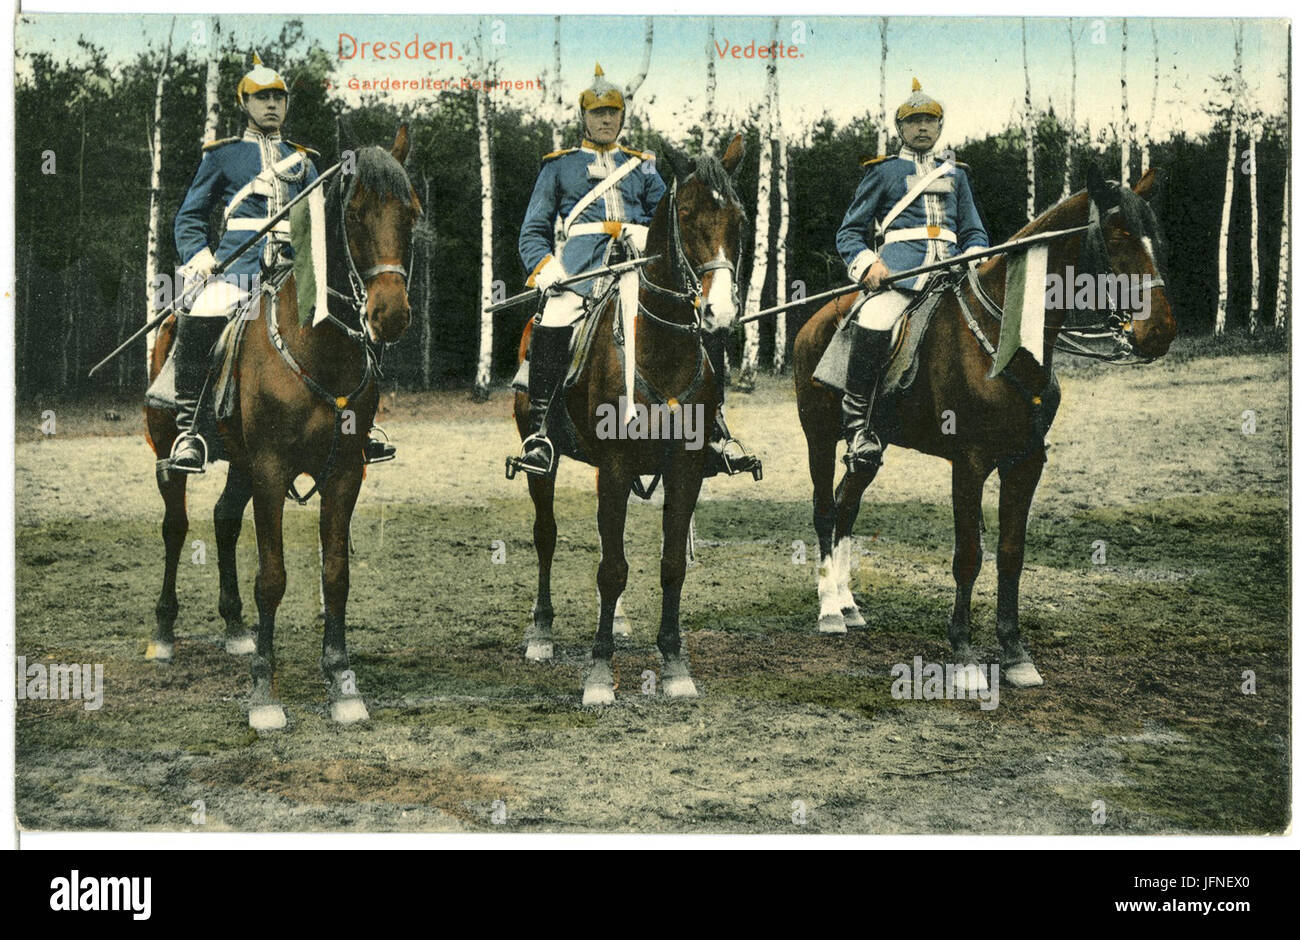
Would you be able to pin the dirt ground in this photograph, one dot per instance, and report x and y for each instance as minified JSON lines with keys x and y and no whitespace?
{"x":1142,"y":726}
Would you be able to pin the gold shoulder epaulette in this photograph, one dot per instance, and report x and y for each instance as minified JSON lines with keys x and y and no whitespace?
{"x":632,"y":153}
{"x":214,"y":144}
{"x":558,"y":153}
{"x":872,"y":161}
{"x":303,"y":149}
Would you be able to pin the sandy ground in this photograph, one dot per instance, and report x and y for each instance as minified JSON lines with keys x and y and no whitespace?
{"x":1141,"y":727}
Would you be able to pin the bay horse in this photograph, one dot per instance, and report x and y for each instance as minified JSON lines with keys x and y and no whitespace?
{"x":306,"y":396}
{"x":688,"y":290}
{"x":1000,"y":422}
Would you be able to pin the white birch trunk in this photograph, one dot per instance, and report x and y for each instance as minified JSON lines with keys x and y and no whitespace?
{"x":1155,"y":100}
{"x":1030,"y":179}
{"x":882,"y":133}
{"x":425,"y":240}
{"x":758,"y":275}
{"x":783,"y":220}
{"x":710,"y":92}
{"x":1221,"y":313}
{"x":1124,"y":127}
{"x":1254,"y":232}
{"x":635,"y":85}
{"x":1280,"y":309}
{"x":151,"y":264}
{"x":1069,"y":126}
{"x":212,"y":109}
{"x":483,"y":375}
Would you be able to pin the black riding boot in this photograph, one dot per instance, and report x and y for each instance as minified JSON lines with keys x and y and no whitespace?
{"x":378,"y":451}
{"x":195,"y":337}
{"x":726,"y":454}
{"x":548,"y":360}
{"x":867,"y":357}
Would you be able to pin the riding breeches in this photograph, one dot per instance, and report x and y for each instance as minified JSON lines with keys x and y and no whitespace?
{"x":562,"y":309}
{"x":881,"y":311}
{"x":218,"y":299}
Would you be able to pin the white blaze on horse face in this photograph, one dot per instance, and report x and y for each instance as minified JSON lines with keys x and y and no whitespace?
{"x":721,"y":300}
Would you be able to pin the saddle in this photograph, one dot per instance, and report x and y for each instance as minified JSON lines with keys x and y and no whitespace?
{"x":220,"y":394}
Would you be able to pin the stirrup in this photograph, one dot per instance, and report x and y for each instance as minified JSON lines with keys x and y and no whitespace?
{"x":865,"y":462}
{"x":387,"y":451}
{"x":743,"y":462}
{"x":181,"y":468}
{"x":514,"y":464}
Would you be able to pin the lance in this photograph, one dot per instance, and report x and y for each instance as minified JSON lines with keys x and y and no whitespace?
{"x":532,"y":293}
{"x":192,"y":292}
{"x":976,"y":255}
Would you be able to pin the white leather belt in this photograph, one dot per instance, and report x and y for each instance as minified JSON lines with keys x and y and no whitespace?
{"x":252,"y":225}
{"x":612,"y":229}
{"x":920,"y":233}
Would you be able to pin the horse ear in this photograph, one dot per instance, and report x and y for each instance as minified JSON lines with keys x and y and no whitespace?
{"x":735,"y":155}
{"x":682,"y":165}
{"x":1146,"y":186}
{"x":401,"y":144}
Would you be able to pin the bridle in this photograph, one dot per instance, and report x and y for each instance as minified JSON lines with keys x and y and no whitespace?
{"x":1108,"y":339}
{"x":690,"y":277}
{"x":355,"y":294}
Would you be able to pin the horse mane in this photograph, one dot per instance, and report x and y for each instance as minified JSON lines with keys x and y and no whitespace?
{"x":1139,"y":218}
{"x":710,"y":172}
{"x":379,"y":173}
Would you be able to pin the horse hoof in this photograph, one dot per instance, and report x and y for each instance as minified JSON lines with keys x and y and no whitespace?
{"x":240,"y":645}
{"x":969,"y":678}
{"x":267,"y":717}
{"x":853,"y":617}
{"x":538,"y":652}
{"x":680,"y":687}
{"x":349,"y":710}
{"x":159,"y":651}
{"x":831,"y":623}
{"x":621,"y":626}
{"x":1024,"y":676}
{"x":594,"y":695}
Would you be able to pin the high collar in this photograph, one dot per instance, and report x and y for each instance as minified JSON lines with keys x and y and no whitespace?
{"x":599,"y":148}
{"x":907,"y":153}
{"x":258,"y":136}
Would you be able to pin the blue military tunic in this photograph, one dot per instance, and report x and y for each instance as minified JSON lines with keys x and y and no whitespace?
{"x":567,"y":176}
{"x":262,"y":172}
{"x":939,"y":223}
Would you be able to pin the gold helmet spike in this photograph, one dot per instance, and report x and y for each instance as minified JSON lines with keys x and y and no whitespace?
{"x":918,"y":103}
{"x":601,"y":94}
{"x":259,"y":78}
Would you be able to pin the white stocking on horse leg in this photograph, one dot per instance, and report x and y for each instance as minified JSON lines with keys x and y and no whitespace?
{"x":844,"y":577}
{"x":830,"y":618}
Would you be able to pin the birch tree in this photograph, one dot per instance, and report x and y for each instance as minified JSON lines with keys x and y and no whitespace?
{"x":1028,"y":118}
{"x":882,"y":132}
{"x":762,"y":223}
{"x":483,"y":374}
{"x":635,"y":85}
{"x":425,"y":237}
{"x":783,"y":222}
{"x":151,"y":263}
{"x":1284,"y":257}
{"x":1124,"y":125}
{"x":212,"y":107}
{"x":557,"y":127}
{"x":1221,"y":313}
{"x":710,"y":92}
{"x":1254,"y":133}
{"x":1074,"y":97}
{"x":1155,"y":100}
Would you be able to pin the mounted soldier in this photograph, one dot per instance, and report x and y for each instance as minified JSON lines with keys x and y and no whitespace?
{"x":250,"y":178}
{"x":601,"y":197}
{"x":911,"y":208}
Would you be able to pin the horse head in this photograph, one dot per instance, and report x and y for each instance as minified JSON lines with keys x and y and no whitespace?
{"x":380,"y":213}
{"x":710,"y":220}
{"x":1126,"y":240}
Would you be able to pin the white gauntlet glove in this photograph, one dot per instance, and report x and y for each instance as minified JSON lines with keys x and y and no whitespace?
{"x":637,"y":235}
{"x":551,"y":273}
{"x":200,"y":266}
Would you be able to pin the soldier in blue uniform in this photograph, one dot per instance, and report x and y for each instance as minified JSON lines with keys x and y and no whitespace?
{"x":250,"y":177}
{"x":910,"y":209}
{"x":603,"y":198}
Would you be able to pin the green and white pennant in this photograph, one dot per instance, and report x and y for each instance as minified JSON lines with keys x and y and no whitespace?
{"x":307,"y":237}
{"x":1024,"y":308}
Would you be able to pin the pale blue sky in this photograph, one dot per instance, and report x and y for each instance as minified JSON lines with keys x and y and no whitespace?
{"x":972,"y":65}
